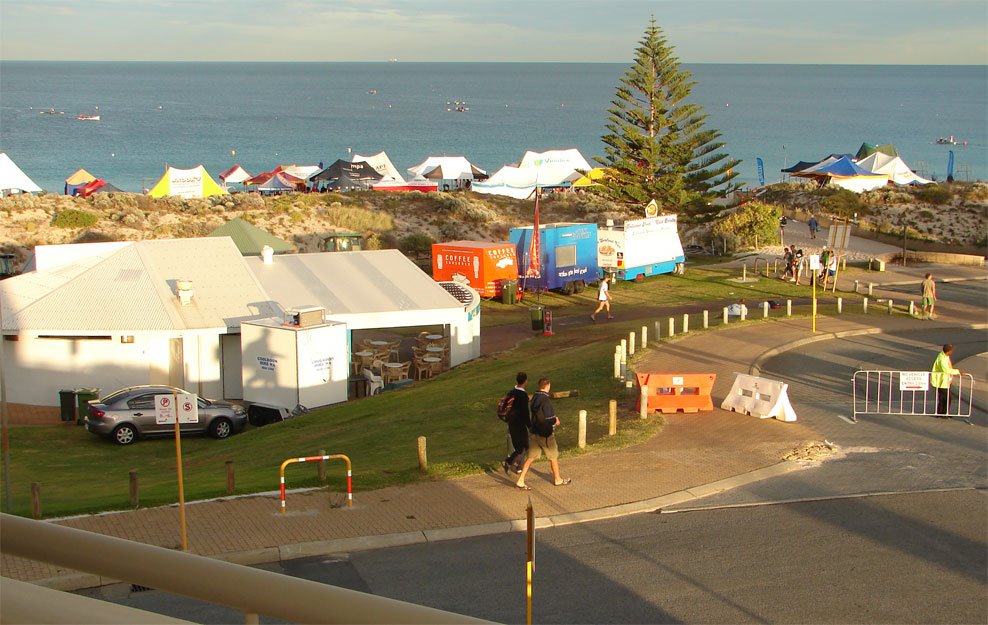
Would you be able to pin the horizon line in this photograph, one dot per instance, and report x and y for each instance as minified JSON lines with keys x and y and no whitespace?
{"x":397,"y":62}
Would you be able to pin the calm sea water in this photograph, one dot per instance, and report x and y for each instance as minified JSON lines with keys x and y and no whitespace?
{"x":183,"y":114}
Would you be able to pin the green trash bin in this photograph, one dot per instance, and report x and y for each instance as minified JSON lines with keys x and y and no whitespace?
{"x":66,"y":402}
{"x":84,"y":395}
{"x":509,"y":291}
{"x":538,"y":317}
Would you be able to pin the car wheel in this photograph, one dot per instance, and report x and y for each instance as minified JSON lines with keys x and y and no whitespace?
{"x":220,"y":428}
{"x":124,"y":434}
{"x":580,"y":285}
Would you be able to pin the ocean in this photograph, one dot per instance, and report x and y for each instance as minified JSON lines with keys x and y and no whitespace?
{"x":266,"y":114}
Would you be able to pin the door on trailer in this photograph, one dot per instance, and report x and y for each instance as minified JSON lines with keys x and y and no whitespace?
{"x":232,"y":367}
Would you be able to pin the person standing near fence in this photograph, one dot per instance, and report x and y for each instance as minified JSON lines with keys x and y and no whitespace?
{"x":929,"y":290}
{"x":941,"y":377}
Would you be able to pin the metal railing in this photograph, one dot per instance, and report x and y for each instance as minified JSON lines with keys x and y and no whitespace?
{"x":252,"y":591}
{"x":908,"y":393}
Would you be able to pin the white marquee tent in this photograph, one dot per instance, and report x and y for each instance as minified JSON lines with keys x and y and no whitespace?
{"x":447,"y":168}
{"x":381,"y":164}
{"x":893,"y":167}
{"x":13,"y":180}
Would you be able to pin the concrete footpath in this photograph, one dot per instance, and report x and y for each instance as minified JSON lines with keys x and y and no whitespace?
{"x":692,"y":457}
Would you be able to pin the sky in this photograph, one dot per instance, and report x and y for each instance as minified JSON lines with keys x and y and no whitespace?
{"x":921,"y":32}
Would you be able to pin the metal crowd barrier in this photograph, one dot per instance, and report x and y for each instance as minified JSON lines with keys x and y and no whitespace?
{"x":908,"y":393}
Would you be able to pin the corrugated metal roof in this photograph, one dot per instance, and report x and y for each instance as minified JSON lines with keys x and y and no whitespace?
{"x":249,"y":238}
{"x":346,"y":283}
{"x":133,"y":289}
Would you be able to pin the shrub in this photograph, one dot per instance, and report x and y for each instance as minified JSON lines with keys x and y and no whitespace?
{"x":416,"y":244}
{"x":935,"y":195}
{"x":843,"y":203}
{"x":925,"y":214}
{"x":72,"y":218}
{"x":750,"y":224}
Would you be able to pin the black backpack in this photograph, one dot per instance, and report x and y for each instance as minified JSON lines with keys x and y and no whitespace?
{"x":505,"y":406}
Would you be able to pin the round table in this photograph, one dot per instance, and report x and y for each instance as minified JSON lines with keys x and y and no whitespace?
{"x":434,"y":349}
{"x":363,"y":354}
{"x":433,"y":337}
{"x":379,"y":343}
{"x":432,"y":359}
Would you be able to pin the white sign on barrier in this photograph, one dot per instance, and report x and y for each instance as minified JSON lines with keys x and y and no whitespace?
{"x":914,"y":381}
{"x":184,"y":405}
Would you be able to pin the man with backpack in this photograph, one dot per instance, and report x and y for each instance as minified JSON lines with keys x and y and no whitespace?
{"x":513,"y":409}
{"x":542,"y":439}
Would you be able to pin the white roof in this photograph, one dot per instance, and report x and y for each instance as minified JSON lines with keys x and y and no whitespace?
{"x":368,"y":289}
{"x":557,"y":159}
{"x":893,"y":167}
{"x":447,"y":168}
{"x":12,"y":179}
{"x":234,"y":175}
{"x":381,"y":164}
{"x":133,"y":289}
{"x":301,"y":171}
{"x":519,"y":182}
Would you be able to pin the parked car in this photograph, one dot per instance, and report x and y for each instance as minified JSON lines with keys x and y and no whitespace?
{"x":128,"y":414}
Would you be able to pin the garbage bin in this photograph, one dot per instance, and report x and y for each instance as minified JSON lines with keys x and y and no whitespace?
{"x":538,"y":317}
{"x":66,"y":401}
{"x":509,"y":291}
{"x":84,"y":395}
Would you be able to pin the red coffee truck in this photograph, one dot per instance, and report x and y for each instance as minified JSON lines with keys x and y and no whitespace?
{"x":484,"y":264}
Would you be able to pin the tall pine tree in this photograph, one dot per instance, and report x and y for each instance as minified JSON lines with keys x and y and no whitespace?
{"x":657,"y":146}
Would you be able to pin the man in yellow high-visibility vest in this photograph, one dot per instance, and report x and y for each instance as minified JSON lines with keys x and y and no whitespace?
{"x":940,"y":377}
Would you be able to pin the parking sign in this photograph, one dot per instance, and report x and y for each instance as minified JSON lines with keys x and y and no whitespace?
{"x":184,"y":406}
{"x":188,"y":408}
{"x":164,"y":409}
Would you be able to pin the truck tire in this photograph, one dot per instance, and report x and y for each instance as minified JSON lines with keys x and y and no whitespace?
{"x":569,"y":288}
{"x":579,"y":286}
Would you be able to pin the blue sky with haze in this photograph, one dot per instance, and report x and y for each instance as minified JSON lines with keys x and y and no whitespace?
{"x":702,"y":31}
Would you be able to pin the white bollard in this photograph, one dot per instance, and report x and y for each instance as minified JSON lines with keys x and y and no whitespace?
{"x":788,"y":308}
{"x":644,"y":336}
{"x":840,"y":305}
{"x":871,"y":285}
{"x":686,"y":323}
{"x":744,"y":313}
{"x":582,"y":435}
{"x":631,"y":343}
{"x":624,"y":351}
{"x":658,"y":331}
{"x":856,"y":282}
{"x":672,"y":326}
{"x":864,"y":305}
{"x":643,"y":402}
{"x":890,"y":306}
{"x":912,"y":308}
{"x":706,"y":319}
{"x":764,"y":310}
{"x":725,"y":315}
{"x":617,"y":366}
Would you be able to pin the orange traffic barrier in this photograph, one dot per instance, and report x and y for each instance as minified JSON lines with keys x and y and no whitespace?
{"x":672,"y":392}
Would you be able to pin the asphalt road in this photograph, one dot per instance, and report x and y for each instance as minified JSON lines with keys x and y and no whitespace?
{"x":910,"y":558}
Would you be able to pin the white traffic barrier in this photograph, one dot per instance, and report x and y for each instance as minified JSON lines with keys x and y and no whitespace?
{"x":759,"y":397}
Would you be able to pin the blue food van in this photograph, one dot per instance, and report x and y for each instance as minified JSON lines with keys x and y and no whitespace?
{"x":569,"y":256}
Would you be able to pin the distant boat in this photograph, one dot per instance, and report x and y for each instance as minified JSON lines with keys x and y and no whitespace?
{"x":52,"y":112}
{"x":90,"y":118}
{"x":946,"y":140}
{"x":372,"y":91}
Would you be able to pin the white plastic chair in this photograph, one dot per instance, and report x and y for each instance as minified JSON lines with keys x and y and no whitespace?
{"x":375,"y":383}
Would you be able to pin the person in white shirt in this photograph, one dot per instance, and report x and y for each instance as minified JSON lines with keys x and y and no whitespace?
{"x":603,"y":300}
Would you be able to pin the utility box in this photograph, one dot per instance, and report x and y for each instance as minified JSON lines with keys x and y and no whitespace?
{"x":641,"y":247}
{"x":567,"y":256}
{"x":285,"y":366}
{"x":304,"y":317}
{"x":484,"y":264}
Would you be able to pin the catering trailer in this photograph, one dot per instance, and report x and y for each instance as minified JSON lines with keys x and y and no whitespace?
{"x":568,"y":256}
{"x":484,"y":264}
{"x":294,"y":364}
{"x":640,"y":247}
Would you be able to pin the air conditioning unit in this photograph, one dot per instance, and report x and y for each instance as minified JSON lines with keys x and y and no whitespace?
{"x":305,"y":317}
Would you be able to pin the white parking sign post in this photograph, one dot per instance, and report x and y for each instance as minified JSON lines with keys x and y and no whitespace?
{"x":178,"y":408}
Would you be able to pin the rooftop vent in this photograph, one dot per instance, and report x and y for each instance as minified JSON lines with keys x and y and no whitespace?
{"x":185,"y":291}
{"x":267,"y":254}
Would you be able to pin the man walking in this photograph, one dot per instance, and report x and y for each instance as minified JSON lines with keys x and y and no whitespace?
{"x":603,"y":299}
{"x":929,"y":290}
{"x":942,"y":372}
{"x":542,"y":439}
{"x":517,"y":425}
{"x":814,"y":226}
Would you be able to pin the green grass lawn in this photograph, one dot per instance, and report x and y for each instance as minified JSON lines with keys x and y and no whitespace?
{"x":80,"y":473}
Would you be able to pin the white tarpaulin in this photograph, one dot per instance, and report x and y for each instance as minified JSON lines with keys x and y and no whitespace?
{"x":556,"y":159}
{"x":13,"y":180}
{"x":447,"y":168}
{"x":381,"y":164}
{"x":893,"y":167}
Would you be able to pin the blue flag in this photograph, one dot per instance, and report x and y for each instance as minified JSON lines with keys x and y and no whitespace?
{"x":761,"y":171}
{"x":950,"y":164}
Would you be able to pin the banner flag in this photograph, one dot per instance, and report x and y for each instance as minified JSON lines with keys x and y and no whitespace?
{"x":535,"y":252}
{"x":761,"y":171}
{"x":950,"y":164}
